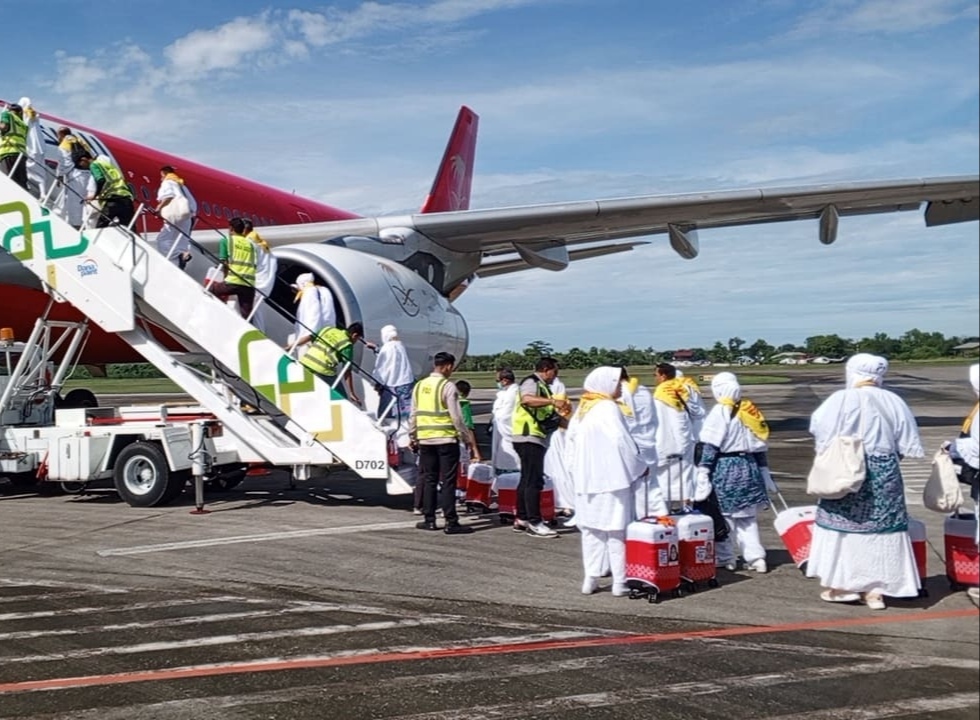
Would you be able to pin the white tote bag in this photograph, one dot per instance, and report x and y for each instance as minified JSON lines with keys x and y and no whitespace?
{"x":942,"y":492}
{"x":839,"y":470}
{"x":178,"y":209}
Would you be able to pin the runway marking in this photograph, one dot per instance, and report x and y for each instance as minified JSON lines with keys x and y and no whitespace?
{"x":263,"y":537}
{"x":57,"y":596}
{"x":213,"y":640}
{"x":174,"y":622}
{"x":475,"y":648}
{"x":899,"y":708}
{"x":121,"y":608}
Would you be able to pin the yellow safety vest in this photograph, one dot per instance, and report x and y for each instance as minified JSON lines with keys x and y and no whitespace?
{"x":325,"y":350}
{"x":526,"y":420}
{"x":432,"y":418}
{"x":14,"y":142}
{"x":241,"y":261}
{"x":115,"y":184}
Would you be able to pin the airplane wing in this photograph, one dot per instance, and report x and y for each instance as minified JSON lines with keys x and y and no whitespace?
{"x":540,"y":235}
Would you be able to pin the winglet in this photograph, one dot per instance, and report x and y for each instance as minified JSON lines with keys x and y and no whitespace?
{"x":451,"y":188}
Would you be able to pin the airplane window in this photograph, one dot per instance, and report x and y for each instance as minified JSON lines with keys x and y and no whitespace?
{"x":255,"y":220}
{"x":145,"y":191}
{"x":235,"y":213}
{"x":207,"y":207}
{"x":132,"y":188}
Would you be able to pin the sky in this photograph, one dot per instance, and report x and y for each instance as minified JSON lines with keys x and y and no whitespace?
{"x":351,"y":103}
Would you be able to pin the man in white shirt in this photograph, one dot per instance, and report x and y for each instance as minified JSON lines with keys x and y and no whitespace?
{"x":678,"y":410}
{"x":502,"y":453}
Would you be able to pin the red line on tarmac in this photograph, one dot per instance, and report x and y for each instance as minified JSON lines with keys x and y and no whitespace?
{"x":455,"y":652}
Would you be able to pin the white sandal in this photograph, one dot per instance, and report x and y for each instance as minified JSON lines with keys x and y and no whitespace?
{"x":836,"y":596}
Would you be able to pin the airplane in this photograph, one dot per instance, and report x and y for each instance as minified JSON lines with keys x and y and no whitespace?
{"x":407,"y":270}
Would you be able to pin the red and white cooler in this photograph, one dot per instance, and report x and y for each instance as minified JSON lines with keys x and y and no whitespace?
{"x":462,"y":474}
{"x":507,"y":496}
{"x":479,"y":482}
{"x":653,"y":564}
{"x":962,"y":557}
{"x":696,"y":540}
{"x":795,"y":528}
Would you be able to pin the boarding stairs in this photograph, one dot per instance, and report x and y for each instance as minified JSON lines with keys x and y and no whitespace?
{"x":281,"y":413}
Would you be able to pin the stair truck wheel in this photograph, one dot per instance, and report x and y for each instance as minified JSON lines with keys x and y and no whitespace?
{"x":80,"y":398}
{"x":141,"y":474}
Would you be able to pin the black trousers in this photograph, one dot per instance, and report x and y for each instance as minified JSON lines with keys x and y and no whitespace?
{"x":438,"y":465}
{"x":532,"y":481}
{"x":116,"y":209}
{"x":20,"y":174}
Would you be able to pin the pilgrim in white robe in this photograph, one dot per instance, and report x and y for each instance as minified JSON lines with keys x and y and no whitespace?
{"x":604,"y":462}
{"x":314,"y":309}
{"x":394,"y":369}
{"x":502,"y":453}
{"x":648,"y":500}
{"x":266,"y":267}
{"x":37,"y":171}
{"x":860,"y":542}
{"x":675,"y":441}
{"x":966,"y":448}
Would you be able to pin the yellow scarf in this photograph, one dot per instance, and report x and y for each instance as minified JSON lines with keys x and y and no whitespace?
{"x":299,"y":293}
{"x":750,"y":416}
{"x":968,"y":423}
{"x":674,"y":393}
{"x":589,"y":399}
{"x":258,"y":240}
{"x":175,"y":177}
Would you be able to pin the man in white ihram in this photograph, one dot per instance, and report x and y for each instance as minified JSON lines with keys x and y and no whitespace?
{"x":314,"y":310}
{"x":173,"y":240}
{"x":678,"y":408}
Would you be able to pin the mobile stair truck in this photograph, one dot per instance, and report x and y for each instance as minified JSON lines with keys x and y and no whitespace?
{"x":258,"y":404}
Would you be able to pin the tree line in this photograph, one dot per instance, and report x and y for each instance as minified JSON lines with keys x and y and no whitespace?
{"x":912,"y":345}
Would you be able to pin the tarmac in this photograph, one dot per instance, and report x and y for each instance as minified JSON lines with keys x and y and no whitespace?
{"x":322,"y":601}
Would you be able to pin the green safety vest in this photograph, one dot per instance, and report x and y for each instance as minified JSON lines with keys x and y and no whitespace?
{"x":526,"y":420}
{"x":241,"y":261}
{"x":432,"y":418}
{"x":115,"y":184}
{"x":14,"y":142}
{"x":325,"y":350}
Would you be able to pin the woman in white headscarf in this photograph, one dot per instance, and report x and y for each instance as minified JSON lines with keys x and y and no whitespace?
{"x":393,"y":368}
{"x":734,"y":461}
{"x":604,"y":462}
{"x":861,"y":548}
{"x":965,"y":451}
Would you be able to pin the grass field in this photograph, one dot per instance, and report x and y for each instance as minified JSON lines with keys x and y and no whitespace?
{"x":750,"y":375}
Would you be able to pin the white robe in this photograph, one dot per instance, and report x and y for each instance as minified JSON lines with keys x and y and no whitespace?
{"x":75,"y":180}
{"x":675,"y":452}
{"x":392,"y":366}
{"x":557,"y":471}
{"x":604,"y":462}
{"x":642,"y":424}
{"x":315,"y":311}
{"x":502,"y":452}
{"x":173,"y":237}
{"x":266,"y":266}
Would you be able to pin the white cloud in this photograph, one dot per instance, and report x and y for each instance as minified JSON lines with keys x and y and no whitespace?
{"x":223,"y":48}
{"x":889,"y":17}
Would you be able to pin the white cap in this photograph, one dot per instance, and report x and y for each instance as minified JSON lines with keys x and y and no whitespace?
{"x":24,"y":102}
{"x":303,"y":279}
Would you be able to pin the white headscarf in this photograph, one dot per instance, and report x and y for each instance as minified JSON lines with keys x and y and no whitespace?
{"x":863,"y":367}
{"x":725,"y":385}
{"x":603,"y":380}
{"x":975,"y":378}
{"x":388,"y":333}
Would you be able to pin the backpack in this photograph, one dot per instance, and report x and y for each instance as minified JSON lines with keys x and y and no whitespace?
{"x":79,"y":151}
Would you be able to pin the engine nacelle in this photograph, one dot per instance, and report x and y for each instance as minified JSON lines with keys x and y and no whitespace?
{"x":376,"y":292}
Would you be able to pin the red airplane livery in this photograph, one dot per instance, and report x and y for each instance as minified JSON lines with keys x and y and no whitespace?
{"x":406,"y":270}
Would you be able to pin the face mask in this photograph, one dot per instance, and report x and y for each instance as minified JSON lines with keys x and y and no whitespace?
{"x":500,"y":386}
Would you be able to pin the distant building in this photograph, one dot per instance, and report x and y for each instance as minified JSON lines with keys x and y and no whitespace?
{"x":683,"y":355}
{"x":967,"y":348}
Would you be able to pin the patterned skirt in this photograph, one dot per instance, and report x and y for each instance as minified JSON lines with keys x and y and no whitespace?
{"x":878,"y":507}
{"x":738,"y":482}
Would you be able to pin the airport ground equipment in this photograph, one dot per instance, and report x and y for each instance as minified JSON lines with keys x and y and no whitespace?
{"x":277,"y":411}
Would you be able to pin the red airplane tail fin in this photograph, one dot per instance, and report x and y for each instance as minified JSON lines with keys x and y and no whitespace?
{"x":451,"y":188}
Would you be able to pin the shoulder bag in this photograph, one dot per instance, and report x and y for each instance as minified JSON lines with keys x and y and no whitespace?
{"x":840,"y":469}
{"x":178,"y":209}
{"x":942,"y":492}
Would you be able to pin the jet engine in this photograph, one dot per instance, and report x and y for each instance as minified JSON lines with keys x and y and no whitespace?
{"x":376,"y":292}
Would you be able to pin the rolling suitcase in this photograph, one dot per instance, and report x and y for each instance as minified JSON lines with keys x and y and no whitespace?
{"x":695,"y":535}
{"x":696,"y":538}
{"x":507,"y":498}
{"x":652,"y":559}
{"x":795,"y":528}
{"x":962,"y":557}
{"x":917,"y":534}
{"x":479,"y":482}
